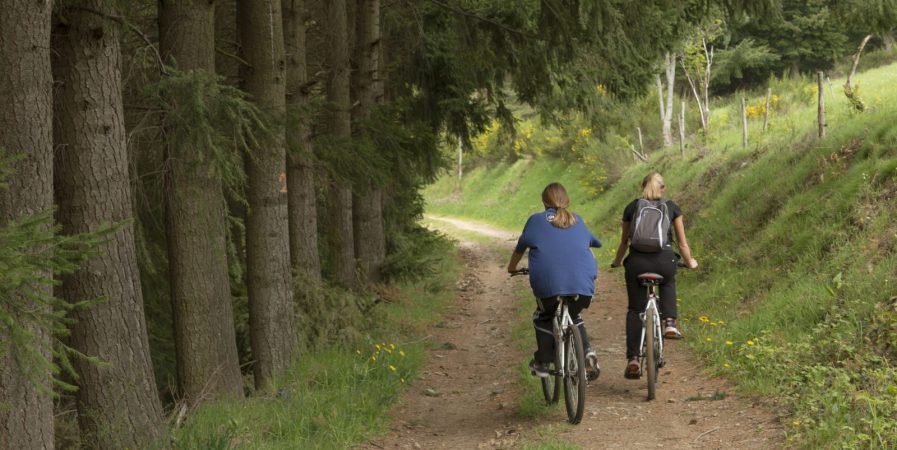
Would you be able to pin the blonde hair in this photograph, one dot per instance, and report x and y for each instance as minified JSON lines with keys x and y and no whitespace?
{"x":555,"y":196}
{"x":652,"y":186}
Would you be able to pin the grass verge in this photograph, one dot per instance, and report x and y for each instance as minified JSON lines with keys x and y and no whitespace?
{"x":338,"y":397}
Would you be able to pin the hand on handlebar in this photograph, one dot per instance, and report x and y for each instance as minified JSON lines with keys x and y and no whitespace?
{"x":521,"y":271}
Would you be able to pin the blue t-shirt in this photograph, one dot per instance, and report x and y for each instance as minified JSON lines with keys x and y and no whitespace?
{"x":560,"y":259}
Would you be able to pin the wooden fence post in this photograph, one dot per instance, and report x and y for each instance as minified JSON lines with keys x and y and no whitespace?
{"x":744,"y":129}
{"x":821,"y":116}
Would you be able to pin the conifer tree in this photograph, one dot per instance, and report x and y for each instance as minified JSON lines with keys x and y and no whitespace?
{"x":26,"y":129}
{"x":302,"y":198}
{"x":117,"y":400}
{"x":207,"y":362}
{"x":367,"y":203}
{"x":341,"y":239}
{"x":271,"y":310}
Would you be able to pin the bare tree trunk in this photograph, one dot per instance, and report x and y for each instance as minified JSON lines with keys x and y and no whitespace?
{"x":888,"y":40}
{"x":667,"y":114}
{"x":766,"y":110}
{"x":821,"y":112}
{"x":641,"y":146}
{"x":341,"y":239}
{"x":744,"y":127}
{"x":205,"y":339}
{"x":849,"y":92}
{"x":682,"y":130}
{"x":118,"y":403}
{"x":272,"y":318}
{"x":660,"y":96}
{"x":26,"y":130}
{"x":367,"y":212}
{"x":301,"y":195}
{"x":856,"y":61}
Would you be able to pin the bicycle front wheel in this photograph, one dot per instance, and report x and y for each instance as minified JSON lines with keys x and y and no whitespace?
{"x":651,"y":351}
{"x":574,"y":375}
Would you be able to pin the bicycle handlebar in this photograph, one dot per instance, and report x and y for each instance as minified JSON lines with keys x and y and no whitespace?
{"x":521,"y":271}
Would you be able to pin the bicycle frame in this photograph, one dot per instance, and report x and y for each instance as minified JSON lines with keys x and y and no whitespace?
{"x":562,"y":322}
{"x":652,"y":304}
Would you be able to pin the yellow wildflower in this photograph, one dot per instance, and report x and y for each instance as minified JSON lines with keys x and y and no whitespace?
{"x":392,"y":346}
{"x":373,"y":359}
{"x":750,"y":342}
{"x":726,"y":365}
{"x":704,"y":319}
{"x":709,"y":339}
{"x":402,"y":380}
{"x":401,"y":353}
{"x":392,"y":367}
{"x":729,"y":343}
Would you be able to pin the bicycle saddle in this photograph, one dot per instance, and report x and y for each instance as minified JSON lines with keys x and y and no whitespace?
{"x":650,"y":278}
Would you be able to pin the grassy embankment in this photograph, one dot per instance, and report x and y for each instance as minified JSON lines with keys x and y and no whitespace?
{"x":798,"y":246}
{"x":336,"y":398}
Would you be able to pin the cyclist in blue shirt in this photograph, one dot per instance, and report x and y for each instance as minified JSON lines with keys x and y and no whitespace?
{"x":560,"y":264}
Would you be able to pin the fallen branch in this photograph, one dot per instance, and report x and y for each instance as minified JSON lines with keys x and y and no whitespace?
{"x":705,"y":434}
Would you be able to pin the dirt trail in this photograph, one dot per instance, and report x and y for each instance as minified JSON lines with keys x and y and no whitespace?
{"x":466,"y":394}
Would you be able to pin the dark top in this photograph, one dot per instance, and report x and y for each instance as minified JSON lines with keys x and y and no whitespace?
{"x":560,"y":259}
{"x":672,"y":208}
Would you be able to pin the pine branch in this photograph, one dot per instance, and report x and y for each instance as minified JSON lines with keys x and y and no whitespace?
{"x":122,"y":21}
{"x":473,"y":15}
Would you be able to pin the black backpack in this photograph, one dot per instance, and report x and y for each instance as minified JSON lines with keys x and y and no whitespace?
{"x":650,"y":226}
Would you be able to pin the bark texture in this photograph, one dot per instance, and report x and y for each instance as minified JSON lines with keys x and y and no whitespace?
{"x":26,"y":130}
{"x":207,"y":363}
{"x":341,"y":239}
{"x":367,"y":206}
{"x":271,"y":313}
{"x":301,"y":195}
{"x":118,"y":403}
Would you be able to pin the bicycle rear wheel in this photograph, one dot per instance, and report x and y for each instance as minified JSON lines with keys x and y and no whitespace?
{"x":574,"y":375}
{"x":651,"y":352}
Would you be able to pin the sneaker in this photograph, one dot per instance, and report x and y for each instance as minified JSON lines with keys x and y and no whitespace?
{"x":539,"y":369}
{"x":670,"y":331}
{"x":633,"y":370}
{"x":593,"y":371}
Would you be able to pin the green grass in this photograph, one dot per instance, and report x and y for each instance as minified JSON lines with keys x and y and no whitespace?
{"x":797,"y":243}
{"x":336,"y":398}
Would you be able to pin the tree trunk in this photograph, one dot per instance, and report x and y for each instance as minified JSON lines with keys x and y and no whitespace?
{"x":26,"y":86}
{"x":766,"y":110}
{"x":367,"y":206}
{"x":118,"y":403}
{"x":887,"y":39}
{"x":666,"y":113}
{"x":205,"y":339}
{"x":682,"y":130}
{"x":272,"y":319}
{"x":341,"y":234}
{"x":301,"y":196}
{"x":660,"y":96}
{"x":795,"y":70}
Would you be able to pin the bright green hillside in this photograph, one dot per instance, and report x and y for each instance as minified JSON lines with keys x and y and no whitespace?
{"x":797,"y":239}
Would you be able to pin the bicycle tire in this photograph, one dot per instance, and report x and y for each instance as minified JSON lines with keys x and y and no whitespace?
{"x":551,"y":386}
{"x":574,"y":376}
{"x":650,"y":352}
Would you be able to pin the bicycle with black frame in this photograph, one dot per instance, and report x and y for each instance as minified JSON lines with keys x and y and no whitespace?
{"x":569,"y":367}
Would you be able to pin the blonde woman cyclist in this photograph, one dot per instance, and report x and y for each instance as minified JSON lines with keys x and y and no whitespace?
{"x":560,"y":264}
{"x":663,"y":263}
